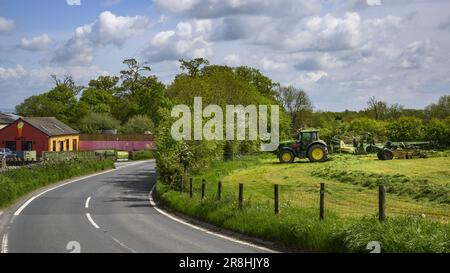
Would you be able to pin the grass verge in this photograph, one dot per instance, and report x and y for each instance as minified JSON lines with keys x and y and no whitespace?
{"x":18,"y":182}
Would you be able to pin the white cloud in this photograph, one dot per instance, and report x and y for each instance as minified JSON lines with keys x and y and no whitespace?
{"x":107,"y":29}
{"x":416,"y":55}
{"x":325,"y":33}
{"x":311,"y":77}
{"x":6,"y":25}
{"x":373,"y":2}
{"x":216,"y":9}
{"x":232,"y":60}
{"x":73,"y":2}
{"x":187,"y":40}
{"x":270,"y":65}
{"x":36,"y":43}
{"x":12,"y":73}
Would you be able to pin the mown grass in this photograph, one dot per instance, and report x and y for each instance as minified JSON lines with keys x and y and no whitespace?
{"x":351,"y":209}
{"x":18,"y":182}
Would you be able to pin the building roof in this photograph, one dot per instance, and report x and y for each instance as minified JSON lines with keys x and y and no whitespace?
{"x":50,"y":126}
{"x":6,"y":118}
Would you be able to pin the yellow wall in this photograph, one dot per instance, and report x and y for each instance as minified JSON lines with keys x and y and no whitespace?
{"x":64,"y":139}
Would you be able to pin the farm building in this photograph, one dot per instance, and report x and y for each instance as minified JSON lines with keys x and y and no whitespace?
{"x":116,"y":142}
{"x":39,"y":134}
{"x":6,"y":119}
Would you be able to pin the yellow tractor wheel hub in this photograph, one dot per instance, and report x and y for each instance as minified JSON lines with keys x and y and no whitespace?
{"x":317,"y":154}
{"x":286,"y":156}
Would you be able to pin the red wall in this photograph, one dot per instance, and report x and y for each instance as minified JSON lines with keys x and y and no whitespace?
{"x":29,"y":133}
{"x":132,"y":145}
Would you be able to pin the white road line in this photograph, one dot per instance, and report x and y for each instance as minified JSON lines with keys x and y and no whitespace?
{"x":1,"y":212}
{"x":87,"y":202}
{"x":92,"y":221}
{"x":123,"y":245}
{"x":70,"y":182}
{"x":181,"y":221}
{"x":4,"y":248}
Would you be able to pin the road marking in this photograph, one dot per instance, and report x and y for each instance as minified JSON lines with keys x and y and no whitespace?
{"x":4,"y":248}
{"x":181,"y":221}
{"x":123,"y":245}
{"x":87,"y":202}
{"x":1,"y":212}
{"x":70,"y":182}
{"x":92,"y":221}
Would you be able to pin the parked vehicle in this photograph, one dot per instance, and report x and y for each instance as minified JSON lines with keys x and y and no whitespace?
{"x":7,"y":153}
{"x":308,"y":145}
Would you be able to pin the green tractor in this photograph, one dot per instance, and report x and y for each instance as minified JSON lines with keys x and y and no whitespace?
{"x":308,"y":145}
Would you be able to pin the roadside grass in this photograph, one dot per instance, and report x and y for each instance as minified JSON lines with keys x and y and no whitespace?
{"x":350,"y":214}
{"x":18,"y":182}
{"x":143,"y":155}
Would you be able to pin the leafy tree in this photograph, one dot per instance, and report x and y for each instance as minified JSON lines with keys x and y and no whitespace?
{"x":361,"y":126}
{"x":263,"y":84}
{"x":405,"y":129}
{"x":95,"y":122}
{"x":377,"y":109}
{"x":139,"y":124}
{"x":438,"y":131}
{"x":297,"y":103}
{"x":193,"y":67}
{"x":441,"y":109}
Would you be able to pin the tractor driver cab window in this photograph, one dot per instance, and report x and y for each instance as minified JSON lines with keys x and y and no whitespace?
{"x":306,"y":137}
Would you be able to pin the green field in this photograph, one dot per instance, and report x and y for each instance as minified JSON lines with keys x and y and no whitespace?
{"x":417,"y":202}
{"x":414,"y":187}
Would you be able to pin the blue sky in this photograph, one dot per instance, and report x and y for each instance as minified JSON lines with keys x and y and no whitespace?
{"x":340,"y":52}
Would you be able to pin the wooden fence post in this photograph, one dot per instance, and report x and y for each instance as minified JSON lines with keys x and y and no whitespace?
{"x":322,"y":200}
{"x":203,"y":188}
{"x":219,"y":190}
{"x":381,"y":203}
{"x":275,"y":190}
{"x":241,"y":195}
{"x":190,"y":187}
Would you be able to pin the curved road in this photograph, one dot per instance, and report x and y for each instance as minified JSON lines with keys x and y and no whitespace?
{"x":109,"y":212}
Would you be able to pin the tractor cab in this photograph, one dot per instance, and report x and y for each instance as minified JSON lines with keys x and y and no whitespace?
{"x":307,"y":145}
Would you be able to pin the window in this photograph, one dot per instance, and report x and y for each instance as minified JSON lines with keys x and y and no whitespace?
{"x":27,"y":146}
{"x":67,"y":145}
{"x":61,"y":146}
{"x":54,"y":146}
{"x":11,"y":145}
{"x":75,"y":146}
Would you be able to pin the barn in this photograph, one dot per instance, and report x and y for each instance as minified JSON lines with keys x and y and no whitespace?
{"x":39,"y":134}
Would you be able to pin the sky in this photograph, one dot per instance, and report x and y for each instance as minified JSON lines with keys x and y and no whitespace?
{"x":340,"y":52}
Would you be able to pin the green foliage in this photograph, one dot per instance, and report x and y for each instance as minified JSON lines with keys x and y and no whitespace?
{"x":441,"y":109}
{"x":138,"y":124}
{"x":18,"y":182}
{"x":438,"y":131}
{"x":95,"y":122}
{"x":142,"y":155}
{"x":405,"y":129}
{"x":366,"y":125}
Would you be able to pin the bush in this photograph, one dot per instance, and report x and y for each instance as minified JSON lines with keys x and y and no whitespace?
{"x":95,"y":122}
{"x":405,"y":129}
{"x":18,"y":182}
{"x":139,"y":124}
{"x":142,"y":155}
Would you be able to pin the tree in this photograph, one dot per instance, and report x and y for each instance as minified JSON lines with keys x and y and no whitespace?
{"x":438,"y":131}
{"x":405,"y":129}
{"x":297,"y":103}
{"x":95,"y":122}
{"x":441,"y":109}
{"x":263,"y":84}
{"x":60,"y":102}
{"x":132,"y":77}
{"x":364,"y":125}
{"x":193,"y":67}
{"x":377,"y":108}
{"x":139,"y":124}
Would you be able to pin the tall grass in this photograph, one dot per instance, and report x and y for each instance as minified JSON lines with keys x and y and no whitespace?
{"x":18,"y":182}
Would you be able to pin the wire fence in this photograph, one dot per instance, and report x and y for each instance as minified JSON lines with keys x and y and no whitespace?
{"x":325,"y":199}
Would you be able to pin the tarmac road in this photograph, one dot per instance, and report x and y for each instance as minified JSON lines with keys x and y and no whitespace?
{"x":108,"y":213}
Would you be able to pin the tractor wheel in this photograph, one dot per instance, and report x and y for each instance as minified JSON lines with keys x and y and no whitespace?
{"x":379,"y":155}
{"x":387,"y":154}
{"x":317,"y":153}
{"x":286,"y":156}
